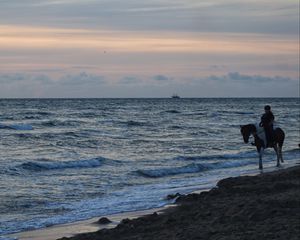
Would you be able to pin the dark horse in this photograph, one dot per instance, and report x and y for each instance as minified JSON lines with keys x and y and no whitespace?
{"x":278,"y":138}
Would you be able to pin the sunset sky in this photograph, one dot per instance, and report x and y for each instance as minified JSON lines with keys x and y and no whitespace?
{"x":134,"y":48}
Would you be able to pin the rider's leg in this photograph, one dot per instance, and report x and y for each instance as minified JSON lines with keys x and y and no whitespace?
{"x":268,"y":135}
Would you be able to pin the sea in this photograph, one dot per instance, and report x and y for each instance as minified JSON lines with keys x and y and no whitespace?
{"x":66,"y":160}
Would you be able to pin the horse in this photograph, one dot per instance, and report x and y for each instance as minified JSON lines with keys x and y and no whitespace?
{"x":278,"y":139}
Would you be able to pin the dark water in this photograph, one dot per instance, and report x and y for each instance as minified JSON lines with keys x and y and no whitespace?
{"x":64,"y":160}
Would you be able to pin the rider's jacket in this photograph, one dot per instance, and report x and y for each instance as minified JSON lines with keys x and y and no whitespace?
{"x":267,"y":119}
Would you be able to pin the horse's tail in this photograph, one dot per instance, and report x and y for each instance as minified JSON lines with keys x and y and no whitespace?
{"x":279,"y":136}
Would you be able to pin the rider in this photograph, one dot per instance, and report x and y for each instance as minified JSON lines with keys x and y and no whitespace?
{"x":266,"y":122}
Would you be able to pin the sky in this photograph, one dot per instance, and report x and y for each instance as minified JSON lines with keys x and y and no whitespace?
{"x":155,"y":48}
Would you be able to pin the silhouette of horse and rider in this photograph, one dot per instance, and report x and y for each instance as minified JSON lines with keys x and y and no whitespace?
{"x":265,"y":136}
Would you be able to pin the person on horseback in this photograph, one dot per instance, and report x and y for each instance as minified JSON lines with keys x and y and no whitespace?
{"x":267,"y":120}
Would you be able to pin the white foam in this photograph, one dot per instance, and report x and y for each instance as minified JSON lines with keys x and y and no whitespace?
{"x":193,"y":168}
{"x":51,"y":165}
{"x":155,"y":173}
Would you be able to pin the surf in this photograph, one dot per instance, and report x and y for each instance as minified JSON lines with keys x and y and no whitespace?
{"x":192,"y":168}
{"x":60,"y":165}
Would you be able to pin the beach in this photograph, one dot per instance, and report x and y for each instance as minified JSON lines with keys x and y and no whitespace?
{"x":266,"y":206}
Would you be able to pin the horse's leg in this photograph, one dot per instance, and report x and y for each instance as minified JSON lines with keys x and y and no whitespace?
{"x":260,"y":151}
{"x":276,"y":148}
{"x":280,"y":153}
{"x":280,"y":139}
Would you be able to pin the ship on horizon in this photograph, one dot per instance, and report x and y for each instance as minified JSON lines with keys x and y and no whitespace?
{"x":175,"y":95}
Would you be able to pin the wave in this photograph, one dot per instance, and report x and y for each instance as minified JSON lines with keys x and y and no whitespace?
{"x":17,"y":127}
{"x":239,"y":155}
{"x":34,"y":115}
{"x":22,"y":135}
{"x":55,"y":165}
{"x":132,"y":123}
{"x":8,"y":238}
{"x":55,"y":123}
{"x":90,"y":114}
{"x":43,"y":113}
{"x":156,"y":173}
{"x":172,"y":111}
{"x":175,"y":127}
{"x":229,"y":161}
{"x":238,"y":112}
{"x":191,"y":168}
{"x":244,"y":113}
{"x":195,"y":114}
{"x":292,"y":154}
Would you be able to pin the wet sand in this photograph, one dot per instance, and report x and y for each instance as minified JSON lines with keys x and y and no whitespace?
{"x":266,"y":206}
{"x":90,"y":225}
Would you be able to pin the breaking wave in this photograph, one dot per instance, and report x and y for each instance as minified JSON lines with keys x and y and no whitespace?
{"x":54,"y":165}
{"x":191,"y":168}
{"x":240,"y":155}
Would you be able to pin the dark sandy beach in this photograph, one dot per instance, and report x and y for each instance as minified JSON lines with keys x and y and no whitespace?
{"x":266,"y":206}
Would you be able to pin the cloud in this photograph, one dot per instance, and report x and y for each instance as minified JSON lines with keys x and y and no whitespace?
{"x":47,"y":70}
{"x":87,"y":84}
{"x":217,"y":67}
{"x":161,"y":78}
{"x":208,"y":15}
{"x":144,"y":79}
{"x":62,"y":2}
{"x":44,"y":79}
{"x":82,"y":78}
{"x":129,"y":80}
{"x":11,"y":78}
{"x":247,"y":79}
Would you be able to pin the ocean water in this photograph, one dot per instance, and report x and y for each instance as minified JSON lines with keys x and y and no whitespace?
{"x":64,"y":160}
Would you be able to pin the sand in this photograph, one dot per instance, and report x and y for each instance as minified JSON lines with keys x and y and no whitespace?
{"x":266,"y":206}
{"x":90,"y":225}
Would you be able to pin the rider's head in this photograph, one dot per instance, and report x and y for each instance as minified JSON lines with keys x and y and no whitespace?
{"x":267,"y":108}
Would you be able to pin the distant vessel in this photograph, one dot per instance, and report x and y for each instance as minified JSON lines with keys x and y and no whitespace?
{"x":175,"y":95}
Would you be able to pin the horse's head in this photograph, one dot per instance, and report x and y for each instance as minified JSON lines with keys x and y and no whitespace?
{"x":245,"y":131}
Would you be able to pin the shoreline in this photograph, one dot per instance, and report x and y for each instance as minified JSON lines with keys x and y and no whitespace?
{"x":65,"y":231}
{"x":85,"y":226}
{"x":264,"y":206}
